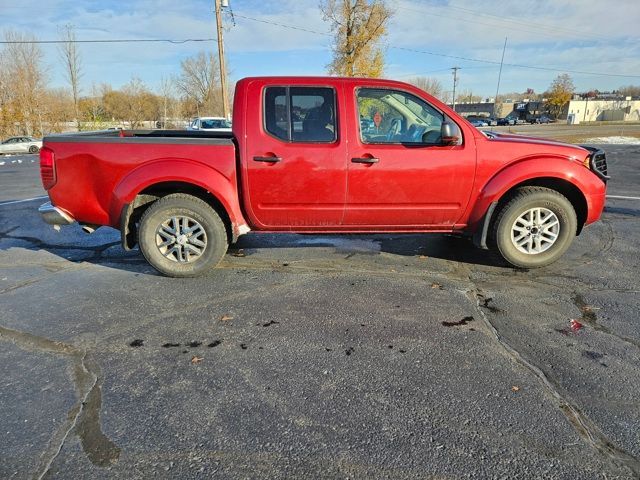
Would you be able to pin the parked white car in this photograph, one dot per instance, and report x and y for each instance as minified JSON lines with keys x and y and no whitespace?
{"x":20,"y":145}
{"x":210,"y":124}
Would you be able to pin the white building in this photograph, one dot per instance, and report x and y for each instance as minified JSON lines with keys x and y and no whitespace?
{"x":601,"y":110}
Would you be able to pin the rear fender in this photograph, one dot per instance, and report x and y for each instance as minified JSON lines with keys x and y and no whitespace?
{"x":177,"y":170}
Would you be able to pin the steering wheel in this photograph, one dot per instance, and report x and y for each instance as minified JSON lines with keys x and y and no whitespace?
{"x":417,"y":135}
{"x":394,"y":129}
{"x":432,"y":137}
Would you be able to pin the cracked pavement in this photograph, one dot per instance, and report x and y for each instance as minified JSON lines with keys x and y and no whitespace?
{"x":371,"y":356}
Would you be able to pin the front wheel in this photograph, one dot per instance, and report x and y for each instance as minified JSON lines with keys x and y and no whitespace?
{"x":535,"y":227}
{"x":33,"y":149}
{"x":182,"y":236}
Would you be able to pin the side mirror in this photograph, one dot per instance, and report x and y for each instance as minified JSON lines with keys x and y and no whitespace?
{"x":450,"y":133}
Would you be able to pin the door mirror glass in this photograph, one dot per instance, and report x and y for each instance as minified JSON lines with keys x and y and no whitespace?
{"x":450,"y":133}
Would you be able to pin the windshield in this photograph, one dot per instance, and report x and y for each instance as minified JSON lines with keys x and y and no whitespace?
{"x":214,"y":123}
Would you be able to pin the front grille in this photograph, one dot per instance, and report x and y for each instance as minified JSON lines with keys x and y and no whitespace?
{"x":599,"y":164}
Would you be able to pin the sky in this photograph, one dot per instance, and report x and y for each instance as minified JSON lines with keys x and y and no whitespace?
{"x":290,"y":37}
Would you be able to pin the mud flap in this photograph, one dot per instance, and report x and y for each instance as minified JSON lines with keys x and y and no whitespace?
{"x":481,"y":233}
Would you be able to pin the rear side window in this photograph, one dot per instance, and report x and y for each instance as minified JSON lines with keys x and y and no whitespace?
{"x":301,"y":114}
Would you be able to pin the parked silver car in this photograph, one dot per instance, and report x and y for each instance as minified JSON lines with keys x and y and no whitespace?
{"x":20,"y":145}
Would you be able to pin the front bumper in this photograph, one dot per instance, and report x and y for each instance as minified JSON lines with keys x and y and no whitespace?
{"x":54,"y":216}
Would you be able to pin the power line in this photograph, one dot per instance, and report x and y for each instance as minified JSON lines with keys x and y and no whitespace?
{"x":516,"y":65}
{"x":118,"y":40}
{"x":327,"y":34}
{"x":477,"y":22}
{"x":553,"y":28}
{"x":456,"y":57}
{"x":292,"y":27}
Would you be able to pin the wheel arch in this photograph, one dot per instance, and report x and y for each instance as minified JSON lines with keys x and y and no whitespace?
{"x":155,"y":180}
{"x":487,"y":214}
{"x":560,"y":185}
{"x":150,"y":194}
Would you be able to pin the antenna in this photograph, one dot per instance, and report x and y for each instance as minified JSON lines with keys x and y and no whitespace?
{"x":495,"y":100}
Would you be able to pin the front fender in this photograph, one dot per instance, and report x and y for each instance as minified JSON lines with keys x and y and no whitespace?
{"x":177,"y":170}
{"x":514,"y":174}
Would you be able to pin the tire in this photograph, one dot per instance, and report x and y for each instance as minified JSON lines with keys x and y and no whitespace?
{"x":33,"y":149}
{"x":534,"y":227}
{"x":176,"y":255}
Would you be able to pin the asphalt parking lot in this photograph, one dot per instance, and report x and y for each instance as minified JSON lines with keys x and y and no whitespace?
{"x":371,"y":356}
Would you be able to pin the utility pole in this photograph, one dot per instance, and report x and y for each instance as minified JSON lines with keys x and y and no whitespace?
{"x":455,"y":82}
{"x":219,"y":5}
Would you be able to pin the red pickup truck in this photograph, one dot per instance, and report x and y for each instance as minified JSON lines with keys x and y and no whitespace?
{"x":330,"y":155}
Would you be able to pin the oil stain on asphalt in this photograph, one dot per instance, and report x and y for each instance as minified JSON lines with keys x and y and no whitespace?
{"x":458,"y":323}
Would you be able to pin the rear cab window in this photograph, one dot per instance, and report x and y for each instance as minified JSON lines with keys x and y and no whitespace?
{"x":300,"y":114}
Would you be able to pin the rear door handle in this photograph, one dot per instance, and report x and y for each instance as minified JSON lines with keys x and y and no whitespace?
{"x":365,"y":160}
{"x":267,"y":159}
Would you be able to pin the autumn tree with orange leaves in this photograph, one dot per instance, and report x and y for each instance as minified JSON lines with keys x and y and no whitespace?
{"x":358,"y":26}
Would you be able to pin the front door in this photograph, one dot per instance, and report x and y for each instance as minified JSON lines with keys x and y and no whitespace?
{"x":295,"y":164}
{"x":400,"y":175}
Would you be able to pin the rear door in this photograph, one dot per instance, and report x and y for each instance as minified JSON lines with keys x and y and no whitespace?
{"x":400,"y":175}
{"x":24,"y":144}
{"x":295,"y":157}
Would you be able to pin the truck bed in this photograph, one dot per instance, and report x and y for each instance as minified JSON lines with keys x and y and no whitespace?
{"x":143,"y":136}
{"x":99,"y":172}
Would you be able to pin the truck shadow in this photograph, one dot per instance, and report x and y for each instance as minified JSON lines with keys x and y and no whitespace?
{"x":22,"y":228}
{"x":103,"y":248}
{"x":435,"y":246}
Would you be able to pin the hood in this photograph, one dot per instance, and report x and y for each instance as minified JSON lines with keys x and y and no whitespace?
{"x":556,"y":146}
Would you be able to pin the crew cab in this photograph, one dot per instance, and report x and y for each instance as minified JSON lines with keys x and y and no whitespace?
{"x":326,"y":155}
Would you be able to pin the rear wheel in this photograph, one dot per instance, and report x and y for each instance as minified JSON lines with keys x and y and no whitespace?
{"x":33,"y":149}
{"x":182,"y":236}
{"x":535,"y":227}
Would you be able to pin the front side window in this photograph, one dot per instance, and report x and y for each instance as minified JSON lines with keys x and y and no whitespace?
{"x":301,"y":114}
{"x":393,"y":116}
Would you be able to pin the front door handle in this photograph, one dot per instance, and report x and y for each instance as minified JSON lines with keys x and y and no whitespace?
{"x":365,"y":160}
{"x":267,"y":159}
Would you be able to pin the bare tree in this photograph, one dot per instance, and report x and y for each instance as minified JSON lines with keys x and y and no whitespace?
{"x":432,"y":86}
{"x":24,"y":83}
{"x":629,"y":91}
{"x":467,"y":96}
{"x":358,"y":26}
{"x":199,"y":82}
{"x":135,"y":103}
{"x":73,"y":68}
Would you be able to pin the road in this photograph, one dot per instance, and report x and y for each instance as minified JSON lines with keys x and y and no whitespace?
{"x":304,"y":356}
{"x":581,"y":133}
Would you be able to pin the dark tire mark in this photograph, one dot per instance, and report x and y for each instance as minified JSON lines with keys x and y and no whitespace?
{"x":457,"y":323}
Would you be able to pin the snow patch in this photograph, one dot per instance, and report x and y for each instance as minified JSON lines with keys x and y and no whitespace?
{"x":614,"y":140}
